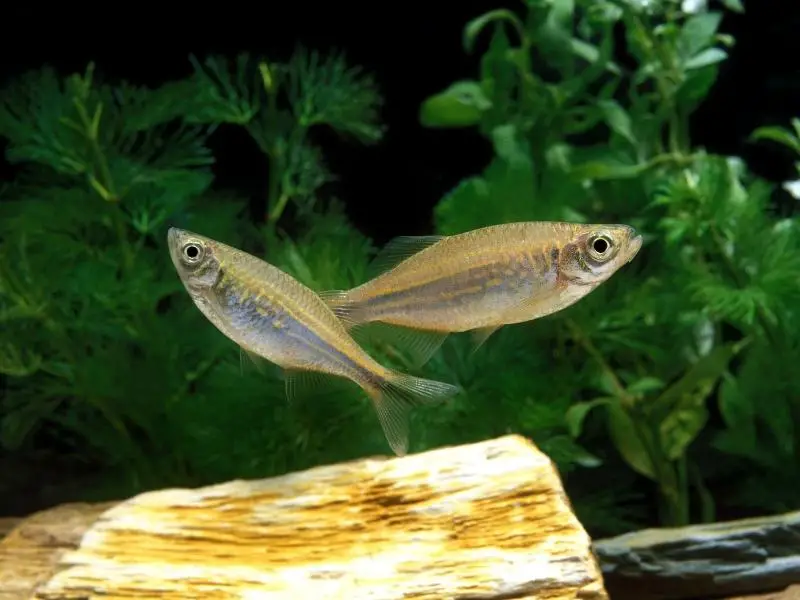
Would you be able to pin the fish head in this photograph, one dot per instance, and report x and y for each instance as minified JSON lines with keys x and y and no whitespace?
{"x":596,"y":252}
{"x":196,"y":259}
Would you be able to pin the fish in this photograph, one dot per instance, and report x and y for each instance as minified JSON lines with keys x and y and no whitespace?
{"x":273,"y":316}
{"x":429,"y":287}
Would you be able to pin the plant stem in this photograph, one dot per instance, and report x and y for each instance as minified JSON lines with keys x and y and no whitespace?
{"x":274,"y":187}
{"x":666,"y":477}
{"x":106,"y":181}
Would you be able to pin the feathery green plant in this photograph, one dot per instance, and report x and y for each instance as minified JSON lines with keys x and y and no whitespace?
{"x":99,"y":343}
{"x":581,"y":138}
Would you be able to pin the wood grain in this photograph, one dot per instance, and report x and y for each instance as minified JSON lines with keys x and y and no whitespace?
{"x":481,"y":521}
{"x":30,"y":552}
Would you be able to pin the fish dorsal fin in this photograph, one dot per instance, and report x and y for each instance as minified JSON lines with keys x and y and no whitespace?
{"x":420,"y":345}
{"x":398,"y":249}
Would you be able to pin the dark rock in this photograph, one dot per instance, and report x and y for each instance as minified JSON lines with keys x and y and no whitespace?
{"x":703,"y":561}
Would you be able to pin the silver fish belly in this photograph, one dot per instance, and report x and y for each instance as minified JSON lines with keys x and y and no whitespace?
{"x":268,"y":329}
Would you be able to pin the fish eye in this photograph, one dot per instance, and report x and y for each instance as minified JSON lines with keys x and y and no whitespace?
{"x":600,"y":247}
{"x":192,"y":252}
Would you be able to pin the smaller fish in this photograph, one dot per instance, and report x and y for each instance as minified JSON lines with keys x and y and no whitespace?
{"x":271,"y":315}
{"x":483,"y":279}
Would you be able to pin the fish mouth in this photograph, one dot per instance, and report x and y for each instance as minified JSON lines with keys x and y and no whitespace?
{"x":173,"y":233}
{"x":634,"y":247}
{"x":173,"y":243}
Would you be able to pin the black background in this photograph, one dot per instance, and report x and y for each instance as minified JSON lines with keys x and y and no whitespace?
{"x":413,"y":49}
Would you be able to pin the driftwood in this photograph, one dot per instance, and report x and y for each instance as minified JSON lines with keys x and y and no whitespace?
{"x":30,"y":552}
{"x":481,"y":521}
{"x":7,"y":524}
{"x":704,"y":561}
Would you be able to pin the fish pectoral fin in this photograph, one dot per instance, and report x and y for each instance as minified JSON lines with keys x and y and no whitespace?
{"x":479,"y":336}
{"x":533,"y":306}
{"x":395,"y":398}
{"x":397,"y":250}
{"x":419,"y":345}
{"x":529,"y":308}
{"x":301,"y":384}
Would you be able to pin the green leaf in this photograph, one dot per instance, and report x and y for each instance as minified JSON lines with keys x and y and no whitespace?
{"x":18,"y":362}
{"x":224,"y":92}
{"x":683,"y":425}
{"x":734,"y":5}
{"x":609,"y":167}
{"x":736,"y":409}
{"x":626,"y":439}
{"x":474,"y":27}
{"x":577,"y":413}
{"x":509,"y":147}
{"x":696,"y":85}
{"x":738,"y":413}
{"x":298,"y":266}
{"x":700,"y":377}
{"x":462,"y":104}
{"x":554,"y":37}
{"x":18,"y":424}
{"x":777,"y":134}
{"x":618,"y":120}
{"x":645,"y":385}
{"x":328,"y":91}
{"x":564,"y":451}
{"x":697,"y":34}
{"x":707,"y":57}
{"x":498,"y":79}
{"x":681,"y":407}
{"x":504,"y":194}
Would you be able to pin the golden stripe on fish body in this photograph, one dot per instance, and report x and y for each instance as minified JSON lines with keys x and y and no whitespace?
{"x":484,"y":279}
{"x":271,"y":315}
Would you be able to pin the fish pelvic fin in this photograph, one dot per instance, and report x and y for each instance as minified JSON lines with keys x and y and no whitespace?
{"x":300,"y":384}
{"x":261,"y":364}
{"x":478,"y":337}
{"x":397,"y":395}
{"x":420,"y":345}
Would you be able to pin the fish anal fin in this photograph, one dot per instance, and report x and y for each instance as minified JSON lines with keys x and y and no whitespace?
{"x":395,"y":398}
{"x":419,"y":345}
{"x":479,"y":336}
{"x":301,"y":384}
{"x":398,"y":249}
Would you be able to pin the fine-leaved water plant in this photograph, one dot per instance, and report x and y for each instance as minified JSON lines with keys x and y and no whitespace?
{"x":589,"y":129}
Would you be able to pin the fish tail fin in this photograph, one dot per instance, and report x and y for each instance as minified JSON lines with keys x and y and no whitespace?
{"x":396,"y":395}
{"x":345,"y":310}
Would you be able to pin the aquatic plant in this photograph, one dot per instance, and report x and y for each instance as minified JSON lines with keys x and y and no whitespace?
{"x":689,"y":350}
{"x":99,"y":346}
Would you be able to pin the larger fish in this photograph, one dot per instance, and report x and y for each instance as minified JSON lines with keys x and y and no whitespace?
{"x":484,"y":279}
{"x":270,"y":314}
